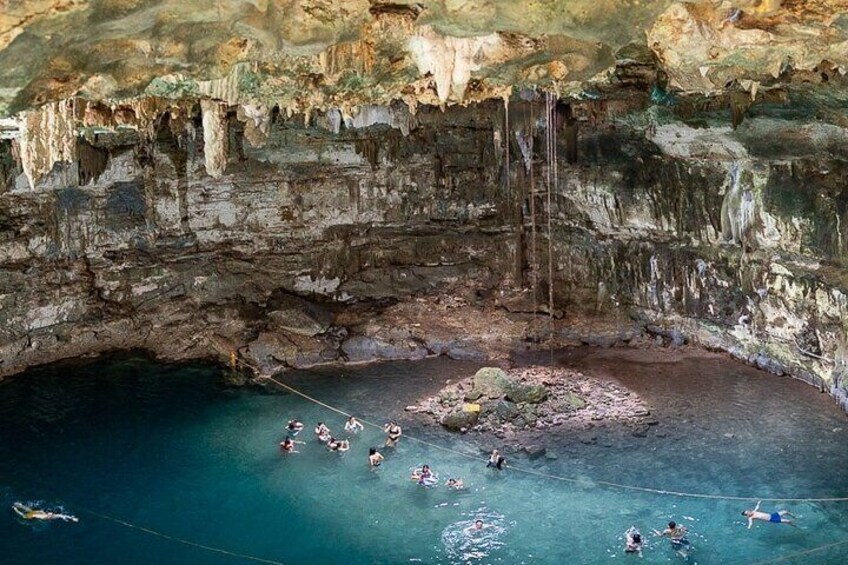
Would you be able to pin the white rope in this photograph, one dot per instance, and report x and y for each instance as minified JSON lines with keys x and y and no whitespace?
{"x":585,"y":482}
{"x":800,"y":553}
{"x":181,"y":540}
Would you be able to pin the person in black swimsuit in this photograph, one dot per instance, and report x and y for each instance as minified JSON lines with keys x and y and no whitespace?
{"x":393,"y":433}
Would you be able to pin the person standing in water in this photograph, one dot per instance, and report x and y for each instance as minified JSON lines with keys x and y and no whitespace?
{"x":29,"y":513}
{"x":393,"y":433}
{"x":774,"y":517}
{"x":374,"y":457}
{"x":353,"y":425}
{"x":496,"y":460}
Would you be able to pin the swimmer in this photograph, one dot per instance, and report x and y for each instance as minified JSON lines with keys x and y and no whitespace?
{"x":294,"y":427}
{"x":677,"y":535}
{"x":322,"y":431}
{"x":393,"y":433}
{"x":28,"y":513}
{"x":634,"y":541}
{"x":287,"y":445}
{"x":333,"y":444}
{"x":478,"y":526}
{"x":352,"y":425}
{"x":421,"y":474}
{"x":455,"y":484}
{"x":374,"y":457}
{"x":774,"y":517}
{"x":342,"y":446}
{"x":496,"y":460}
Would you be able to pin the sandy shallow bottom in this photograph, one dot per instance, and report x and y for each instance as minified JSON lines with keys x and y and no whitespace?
{"x":166,"y":448}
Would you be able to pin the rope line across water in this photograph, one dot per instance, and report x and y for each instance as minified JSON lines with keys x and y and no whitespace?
{"x":181,"y":540}
{"x":800,"y":553}
{"x":584,"y":482}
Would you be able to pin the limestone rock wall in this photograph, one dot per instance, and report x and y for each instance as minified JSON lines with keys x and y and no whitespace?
{"x":307,"y":227}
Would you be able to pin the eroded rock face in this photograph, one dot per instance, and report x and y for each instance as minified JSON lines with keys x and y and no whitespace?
{"x":393,"y":235}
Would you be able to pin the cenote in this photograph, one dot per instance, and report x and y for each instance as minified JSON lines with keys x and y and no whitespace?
{"x":140,"y":450}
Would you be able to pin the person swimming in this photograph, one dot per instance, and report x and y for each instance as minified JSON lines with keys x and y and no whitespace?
{"x":393,"y":433}
{"x":322,"y":432}
{"x":294,"y":427}
{"x":496,"y":460}
{"x":633,"y":542}
{"x":774,"y":517}
{"x":677,"y":535}
{"x":424,"y":476}
{"x":29,"y":513}
{"x":353,"y":425}
{"x":338,"y":445}
{"x":455,"y":484}
{"x":287,"y":445}
{"x":374,"y":457}
{"x":476,"y":527}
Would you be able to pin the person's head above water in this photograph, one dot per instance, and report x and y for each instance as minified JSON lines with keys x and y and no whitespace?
{"x":478,"y":524}
{"x":672,"y":525}
{"x":425,"y":468}
{"x":372,"y":451}
{"x":637,"y":538}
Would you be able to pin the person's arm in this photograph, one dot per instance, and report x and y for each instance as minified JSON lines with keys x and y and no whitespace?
{"x":757,"y":507}
{"x":750,"y":521}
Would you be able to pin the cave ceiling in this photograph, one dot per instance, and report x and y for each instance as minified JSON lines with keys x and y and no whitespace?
{"x":305,"y":55}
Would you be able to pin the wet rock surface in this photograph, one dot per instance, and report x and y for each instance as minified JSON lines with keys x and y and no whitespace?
{"x":517,"y":403}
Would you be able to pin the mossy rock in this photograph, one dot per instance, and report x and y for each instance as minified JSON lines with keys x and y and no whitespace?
{"x":575,"y":401}
{"x":506,"y":410}
{"x":473,"y":395}
{"x":459,"y":420}
{"x":532,"y":394}
{"x":491,"y":382}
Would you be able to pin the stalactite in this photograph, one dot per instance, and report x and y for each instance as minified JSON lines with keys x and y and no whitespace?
{"x":215,"y":137}
{"x":568,"y":123}
{"x":257,"y":123}
{"x":370,"y":151}
{"x":739,"y":103}
{"x":91,"y":162}
{"x":47,"y":136}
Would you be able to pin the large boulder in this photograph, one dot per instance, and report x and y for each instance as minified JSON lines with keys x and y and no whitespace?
{"x":491,"y":382}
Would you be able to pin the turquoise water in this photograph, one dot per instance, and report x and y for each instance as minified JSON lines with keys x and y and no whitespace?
{"x":166,"y":447}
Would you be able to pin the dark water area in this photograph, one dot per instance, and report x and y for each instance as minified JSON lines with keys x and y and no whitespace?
{"x":127,"y":443}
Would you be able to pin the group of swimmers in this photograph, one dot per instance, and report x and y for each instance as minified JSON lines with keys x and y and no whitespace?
{"x":425,"y":476}
{"x":677,"y":533}
{"x":325,"y":436}
{"x":422,"y":475}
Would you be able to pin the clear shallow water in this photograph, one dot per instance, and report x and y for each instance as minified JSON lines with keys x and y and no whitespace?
{"x":165,"y":447}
